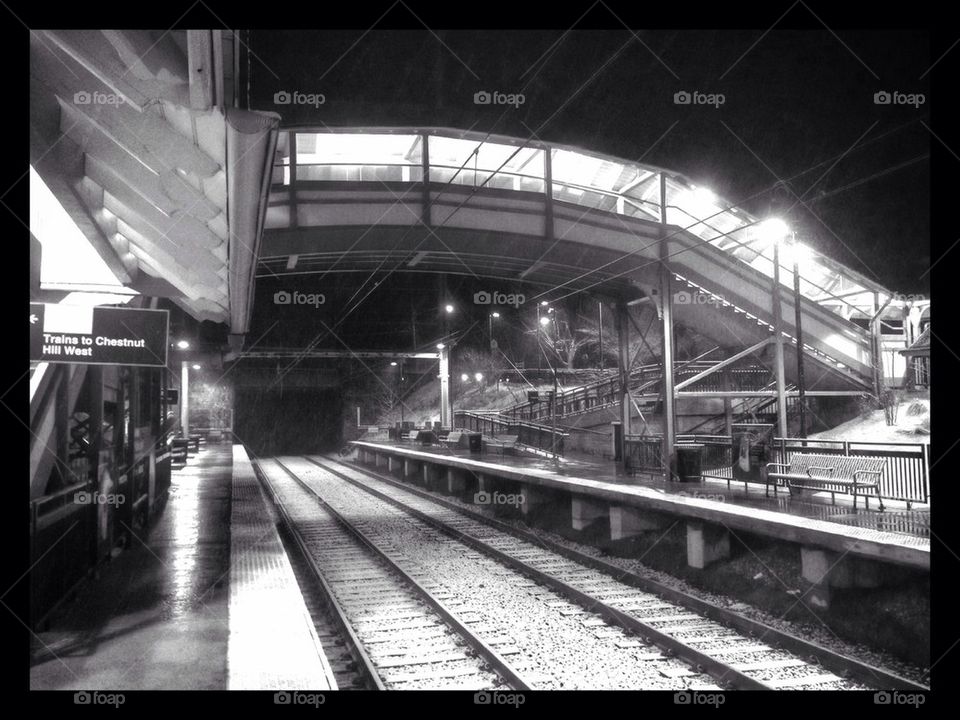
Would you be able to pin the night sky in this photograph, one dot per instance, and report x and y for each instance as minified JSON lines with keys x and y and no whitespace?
{"x":798,"y":117}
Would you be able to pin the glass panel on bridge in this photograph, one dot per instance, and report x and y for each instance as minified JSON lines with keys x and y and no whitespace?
{"x":493,"y":165}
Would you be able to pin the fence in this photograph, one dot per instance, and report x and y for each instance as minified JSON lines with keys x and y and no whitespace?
{"x":906,"y":474}
{"x":542,"y":437}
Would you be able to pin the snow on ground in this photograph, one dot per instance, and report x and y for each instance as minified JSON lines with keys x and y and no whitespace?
{"x":913,"y":425}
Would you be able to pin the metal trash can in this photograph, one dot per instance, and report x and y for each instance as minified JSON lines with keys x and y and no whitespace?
{"x":476,"y":442}
{"x":690,"y":462}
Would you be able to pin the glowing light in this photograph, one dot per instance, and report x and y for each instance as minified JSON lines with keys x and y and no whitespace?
{"x":449,"y":308}
{"x":699,"y":202}
{"x":196,"y":366}
{"x":544,"y":321}
{"x":544,"y":302}
{"x":464,"y":377}
{"x":440,"y":346}
{"x":496,"y":315}
{"x":478,"y":377}
{"x":183,"y":344}
{"x":393,"y":364}
{"x":773,"y":230}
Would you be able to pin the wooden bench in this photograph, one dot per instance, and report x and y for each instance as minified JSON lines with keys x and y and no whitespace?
{"x":452,"y":439}
{"x":502,"y":443}
{"x":853,"y":474}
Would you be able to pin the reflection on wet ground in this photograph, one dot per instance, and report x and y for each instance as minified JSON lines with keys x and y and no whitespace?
{"x":157,"y":607}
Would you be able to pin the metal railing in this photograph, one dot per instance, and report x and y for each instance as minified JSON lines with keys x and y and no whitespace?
{"x":906,"y":473}
{"x":535,"y":435}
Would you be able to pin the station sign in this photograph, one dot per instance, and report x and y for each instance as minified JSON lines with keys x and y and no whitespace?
{"x":98,"y":335}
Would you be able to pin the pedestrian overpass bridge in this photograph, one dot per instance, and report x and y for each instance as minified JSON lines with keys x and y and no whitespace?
{"x":510,"y":210}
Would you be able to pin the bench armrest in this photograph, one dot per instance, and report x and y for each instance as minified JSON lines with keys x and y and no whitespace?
{"x":875,"y":473}
{"x":818,"y":467}
{"x":778,"y":465}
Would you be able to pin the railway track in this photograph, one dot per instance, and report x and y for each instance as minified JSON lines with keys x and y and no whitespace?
{"x":735,"y":650}
{"x":552,"y":640}
{"x":401,"y":636}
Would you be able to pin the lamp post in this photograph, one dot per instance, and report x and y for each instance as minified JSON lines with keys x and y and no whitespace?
{"x":490,"y":319}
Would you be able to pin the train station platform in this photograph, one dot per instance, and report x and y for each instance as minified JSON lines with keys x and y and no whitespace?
{"x":207,"y":600}
{"x":712,"y":509}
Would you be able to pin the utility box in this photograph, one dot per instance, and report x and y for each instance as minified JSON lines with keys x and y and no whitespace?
{"x":475,"y":441}
{"x":689,"y":462}
{"x":752,"y":450}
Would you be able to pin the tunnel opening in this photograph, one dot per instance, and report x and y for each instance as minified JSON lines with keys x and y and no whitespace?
{"x":270,"y":421}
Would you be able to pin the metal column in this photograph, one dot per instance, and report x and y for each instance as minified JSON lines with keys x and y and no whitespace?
{"x":798,"y":311}
{"x":184,"y":398}
{"x":445,"y":413}
{"x":778,"y":345}
{"x":623,"y":364}
{"x":666,"y":355}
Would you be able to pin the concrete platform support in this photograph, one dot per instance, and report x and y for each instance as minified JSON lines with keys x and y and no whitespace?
{"x":410,"y":469}
{"x":393,"y":465}
{"x":431,"y":476}
{"x":706,"y":544}
{"x":456,"y":482}
{"x":825,"y":569}
{"x":535,"y":500}
{"x":584,"y":511}
{"x":379,"y":459}
{"x":628,"y":521}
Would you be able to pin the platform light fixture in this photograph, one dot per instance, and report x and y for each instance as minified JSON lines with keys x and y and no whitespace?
{"x":183,"y":344}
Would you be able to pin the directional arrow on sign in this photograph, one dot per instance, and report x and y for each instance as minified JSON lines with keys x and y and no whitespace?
{"x":33,"y":319}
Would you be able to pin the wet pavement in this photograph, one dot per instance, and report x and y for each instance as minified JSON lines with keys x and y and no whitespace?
{"x":156,"y":617}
